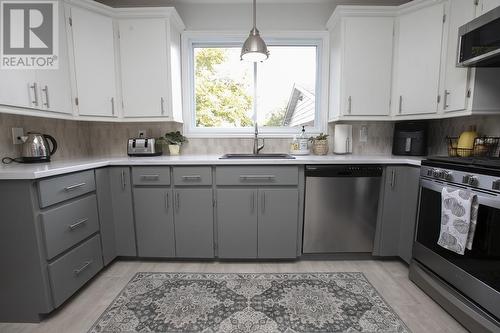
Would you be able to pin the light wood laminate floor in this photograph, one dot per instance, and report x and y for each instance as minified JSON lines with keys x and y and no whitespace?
{"x":390,"y":278}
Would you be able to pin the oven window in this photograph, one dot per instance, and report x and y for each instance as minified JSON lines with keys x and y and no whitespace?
{"x":483,"y":261}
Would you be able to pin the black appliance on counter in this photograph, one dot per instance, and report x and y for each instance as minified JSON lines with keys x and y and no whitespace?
{"x":410,"y":138}
{"x":467,"y":286}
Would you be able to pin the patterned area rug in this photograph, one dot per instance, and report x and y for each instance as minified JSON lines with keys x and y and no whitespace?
{"x":312,"y":302}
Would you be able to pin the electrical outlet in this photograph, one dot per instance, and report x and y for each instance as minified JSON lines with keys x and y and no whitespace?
{"x":142,"y":134}
{"x":17,"y":133}
{"x":363,"y":134}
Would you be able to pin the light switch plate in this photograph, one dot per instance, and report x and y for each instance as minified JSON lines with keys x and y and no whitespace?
{"x":363,"y":134}
{"x":17,"y":133}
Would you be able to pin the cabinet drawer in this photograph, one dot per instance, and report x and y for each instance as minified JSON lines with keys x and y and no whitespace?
{"x":151,"y":175}
{"x":57,"y":189}
{"x":69,"y":224}
{"x":192,"y":175}
{"x":71,"y":271}
{"x":257,"y":175}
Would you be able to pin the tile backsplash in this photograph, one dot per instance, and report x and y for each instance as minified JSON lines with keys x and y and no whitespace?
{"x":79,"y":139}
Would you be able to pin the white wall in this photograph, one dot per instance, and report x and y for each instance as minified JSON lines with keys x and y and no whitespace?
{"x":236,"y":15}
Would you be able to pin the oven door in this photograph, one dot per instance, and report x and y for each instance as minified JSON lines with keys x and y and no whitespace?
{"x":476,"y":273}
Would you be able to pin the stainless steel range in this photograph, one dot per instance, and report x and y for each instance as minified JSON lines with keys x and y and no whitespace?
{"x":468,"y":285}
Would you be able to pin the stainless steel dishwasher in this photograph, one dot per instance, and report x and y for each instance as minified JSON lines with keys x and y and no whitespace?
{"x":341,"y":208}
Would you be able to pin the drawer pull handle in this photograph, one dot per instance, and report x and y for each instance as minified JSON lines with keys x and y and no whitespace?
{"x":77,"y":224}
{"x":73,"y":187}
{"x":194,"y":177}
{"x":84,"y":267}
{"x":150,"y":177}
{"x":257,"y":177}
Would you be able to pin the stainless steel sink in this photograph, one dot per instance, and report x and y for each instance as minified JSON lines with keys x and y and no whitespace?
{"x":257,"y":156}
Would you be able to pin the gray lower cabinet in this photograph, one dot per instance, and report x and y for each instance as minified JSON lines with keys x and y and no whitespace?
{"x":194,"y":224}
{"x":154,"y":221}
{"x":398,"y":212}
{"x":277,"y":222}
{"x":237,"y":222}
{"x":123,"y":214}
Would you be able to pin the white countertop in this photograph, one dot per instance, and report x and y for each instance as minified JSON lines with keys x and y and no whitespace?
{"x":35,"y":171}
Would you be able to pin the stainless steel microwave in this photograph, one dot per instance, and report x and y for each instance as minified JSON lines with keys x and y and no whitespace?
{"x":479,"y":41}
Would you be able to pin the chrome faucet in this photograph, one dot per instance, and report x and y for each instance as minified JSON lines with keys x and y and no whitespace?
{"x":256,"y":147}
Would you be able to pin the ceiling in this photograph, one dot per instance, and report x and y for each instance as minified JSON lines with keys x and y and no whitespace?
{"x":134,"y":3}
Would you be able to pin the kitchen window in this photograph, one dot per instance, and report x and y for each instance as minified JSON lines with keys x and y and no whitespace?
{"x":224,"y":96}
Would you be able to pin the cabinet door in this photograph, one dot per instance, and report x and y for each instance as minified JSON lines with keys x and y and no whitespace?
{"x":94,"y":58}
{"x":18,"y":88}
{"x":194,"y":224}
{"x":237,"y":223}
{"x":487,"y":5}
{"x":389,"y":226}
{"x":144,"y":87}
{"x":409,"y":203}
{"x":367,"y":66}
{"x":277,"y":223}
{"x":455,"y":78}
{"x":123,"y":215}
{"x":55,"y":85}
{"x":154,"y":222}
{"x":105,"y":209}
{"x":418,"y":60}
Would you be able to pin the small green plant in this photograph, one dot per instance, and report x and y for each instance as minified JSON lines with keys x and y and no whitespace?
{"x":321,"y":136}
{"x":175,"y":138}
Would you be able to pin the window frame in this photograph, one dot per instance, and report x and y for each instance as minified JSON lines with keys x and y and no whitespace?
{"x":193,"y":39}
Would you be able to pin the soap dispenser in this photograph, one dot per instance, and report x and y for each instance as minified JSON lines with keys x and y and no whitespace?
{"x":302,"y":143}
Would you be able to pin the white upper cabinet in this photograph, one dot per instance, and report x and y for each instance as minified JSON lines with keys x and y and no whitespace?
{"x":94,"y":62}
{"x":485,"y":6}
{"x":40,"y":89}
{"x":361,"y":63}
{"x":418,"y":60}
{"x":150,"y":67}
{"x":455,"y":79}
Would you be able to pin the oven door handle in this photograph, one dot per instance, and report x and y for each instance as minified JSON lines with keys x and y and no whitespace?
{"x":485,"y":199}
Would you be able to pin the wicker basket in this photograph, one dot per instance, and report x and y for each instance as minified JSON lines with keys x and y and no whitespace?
{"x":486,"y":146}
{"x":320,"y":147}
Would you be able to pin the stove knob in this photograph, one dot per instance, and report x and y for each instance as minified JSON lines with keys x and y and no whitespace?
{"x":447,"y":175}
{"x":496,"y":185}
{"x":473,"y":181}
{"x":466,"y":179}
{"x":436,"y":173}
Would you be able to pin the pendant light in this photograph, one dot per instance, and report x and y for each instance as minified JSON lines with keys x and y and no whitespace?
{"x":254,"y":49}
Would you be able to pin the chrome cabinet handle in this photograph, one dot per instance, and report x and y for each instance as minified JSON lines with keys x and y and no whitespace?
{"x":113,"y":106}
{"x":446,"y":94}
{"x":349,"y":108}
{"x":393,"y":178}
{"x":35,"y":93}
{"x":78,"y":224}
{"x":263,"y":202}
{"x":123,"y":179}
{"x":252,"y":202}
{"x":257,"y":177}
{"x":177,"y":201}
{"x":73,"y":187}
{"x":162,"y":103}
{"x":84,"y":267}
{"x":150,"y":177}
{"x":167,"y":201}
{"x":400,"y":104}
{"x":193,"y":177}
{"x":46,"y":91}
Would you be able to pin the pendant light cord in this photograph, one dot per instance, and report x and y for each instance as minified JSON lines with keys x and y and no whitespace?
{"x":254,"y":14}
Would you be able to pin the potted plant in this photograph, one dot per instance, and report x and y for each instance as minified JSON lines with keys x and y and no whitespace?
{"x":175,"y":140}
{"x":320,"y":144}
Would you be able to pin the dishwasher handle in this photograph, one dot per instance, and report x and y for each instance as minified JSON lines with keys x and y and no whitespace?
{"x":364,"y":170}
